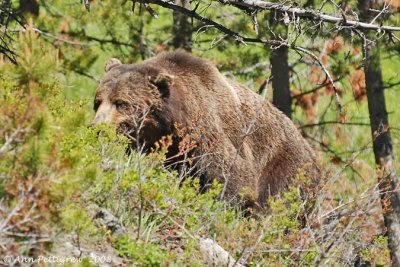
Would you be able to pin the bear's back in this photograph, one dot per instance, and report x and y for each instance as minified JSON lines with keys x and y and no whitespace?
{"x":247,"y":140}
{"x":182,"y":63}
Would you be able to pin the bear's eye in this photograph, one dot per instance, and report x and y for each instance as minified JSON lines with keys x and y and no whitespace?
{"x":96,"y":104}
{"x":120,"y":104}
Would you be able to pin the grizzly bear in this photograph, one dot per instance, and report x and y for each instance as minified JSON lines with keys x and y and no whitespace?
{"x":238,"y":138}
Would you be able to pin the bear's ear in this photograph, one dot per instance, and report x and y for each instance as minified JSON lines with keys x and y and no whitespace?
{"x":163,"y":82}
{"x":111,"y":63}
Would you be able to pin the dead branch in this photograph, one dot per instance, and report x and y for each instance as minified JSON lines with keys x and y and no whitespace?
{"x":314,"y":15}
{"x":328,"y":75}
{"x":207,"y":21}
{"x":45,"y":34}
{"x":313,"y":90}
{"x":9,"y":140}
{"x":333,"y":122}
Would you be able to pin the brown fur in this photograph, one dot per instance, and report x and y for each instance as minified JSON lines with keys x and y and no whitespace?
{"x":245,"y":142}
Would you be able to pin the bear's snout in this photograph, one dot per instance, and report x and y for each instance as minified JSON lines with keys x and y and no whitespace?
{"x":103,"y":115}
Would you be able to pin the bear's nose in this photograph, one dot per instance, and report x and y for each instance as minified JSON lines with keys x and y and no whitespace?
{"x":102,"y":115}
{"x":99,"y":118}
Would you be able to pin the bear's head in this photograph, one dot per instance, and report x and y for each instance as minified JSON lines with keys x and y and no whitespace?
{"x":133,"y":98}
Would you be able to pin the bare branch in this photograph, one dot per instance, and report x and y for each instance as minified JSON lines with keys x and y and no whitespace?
{"x":308,"y":14}
{"x":305,"y":51}
{"x":207,"y":21}
{"x":313,"y":90}
{"x":9,"y":140}
{"x":334,"y":122}
{"x":48,"y":35}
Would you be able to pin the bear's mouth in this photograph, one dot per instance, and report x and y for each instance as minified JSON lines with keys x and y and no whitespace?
{"x":127,"y":130}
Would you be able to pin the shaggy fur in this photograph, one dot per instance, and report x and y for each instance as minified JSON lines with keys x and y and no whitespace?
{"x":244,"y":142}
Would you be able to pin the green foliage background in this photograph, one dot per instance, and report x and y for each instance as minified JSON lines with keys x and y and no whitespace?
{"x":57,"y":167}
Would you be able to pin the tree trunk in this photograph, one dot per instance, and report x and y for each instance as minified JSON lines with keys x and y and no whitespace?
{"x":280,"y":80}
{"x":382,"y":144}
{"x":383,"y":151}
{"x":280,"y":70}
{"x":29,"y":6}
{"x":182,"y":28}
